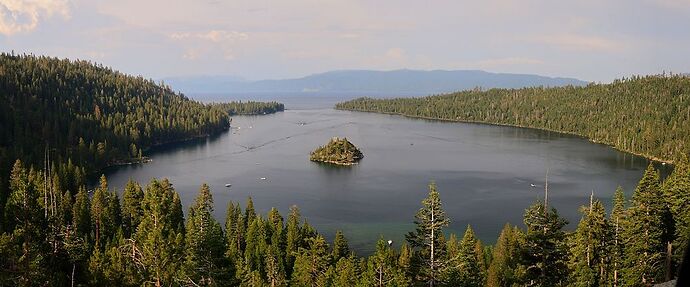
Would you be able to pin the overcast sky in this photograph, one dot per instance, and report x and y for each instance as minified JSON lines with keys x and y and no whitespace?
{"x":594,"y":40}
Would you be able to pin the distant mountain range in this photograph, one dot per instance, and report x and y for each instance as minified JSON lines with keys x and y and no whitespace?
{"x":407,"y":82}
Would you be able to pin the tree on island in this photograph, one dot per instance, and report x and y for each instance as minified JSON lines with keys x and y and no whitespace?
{"x":337,"y":151}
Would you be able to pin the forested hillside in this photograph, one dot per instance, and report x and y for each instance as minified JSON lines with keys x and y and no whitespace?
{"x":251,"y":107}
{"x":76,"y":117}
{"x":647,"y":115}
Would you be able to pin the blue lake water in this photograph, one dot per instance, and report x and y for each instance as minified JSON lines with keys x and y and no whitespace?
{"x":487,"y":175}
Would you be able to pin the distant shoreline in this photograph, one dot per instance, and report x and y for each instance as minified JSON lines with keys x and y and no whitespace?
{"x":652,"y":158}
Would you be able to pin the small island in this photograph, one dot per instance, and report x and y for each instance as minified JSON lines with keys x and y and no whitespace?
{"x":337,"y":151}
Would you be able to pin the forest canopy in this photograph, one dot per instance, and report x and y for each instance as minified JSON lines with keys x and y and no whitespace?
{"x":648,"y":115}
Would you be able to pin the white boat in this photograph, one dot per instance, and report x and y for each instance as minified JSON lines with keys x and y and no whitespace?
{"x":228,"y":185}
{"x":263,"y":178}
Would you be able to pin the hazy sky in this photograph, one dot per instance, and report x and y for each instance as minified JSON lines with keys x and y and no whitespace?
{"x":595,"y":40}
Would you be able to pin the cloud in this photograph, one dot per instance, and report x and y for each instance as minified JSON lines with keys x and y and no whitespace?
{"x":581,"y":43}
{"x":191,"y":54}
{"x":395,"y":53}
{"x":673,"y":4}
{"x":215,"y":36}
{"x":18,"y":16}
{"x":510,"y":61}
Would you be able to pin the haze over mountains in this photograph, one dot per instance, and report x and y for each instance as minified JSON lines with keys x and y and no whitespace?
{"x":405,"y":82}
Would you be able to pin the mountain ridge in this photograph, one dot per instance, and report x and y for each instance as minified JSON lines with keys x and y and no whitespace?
{"x":370,"y":81}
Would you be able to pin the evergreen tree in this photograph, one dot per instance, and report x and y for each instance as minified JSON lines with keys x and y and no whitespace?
{"x":156,"y":248}
{"x":131,"y":207}
{"x":347,"y":272}
{"x":644,"y":232}
{"x":617,"y":220}
{"x":234,"y":230}
{"x":205,"y":262}
{"x":275,"y":272}
{"x":293,"y":236}
{"x":382,"y":267}
{"x":589,"y":255}
{"x":311,"y":264}
{"x":426,"y":239}
{"x":24,"y":217}
{"x":256,"y":245}
{"x":544,"y":256}
{"x":505,"y":258}
{"x":464,"y":263}
{"x":81,"y":215}
{"x":677,"y":192}
{"x":99,"y":203}
{"x":340,"y":247}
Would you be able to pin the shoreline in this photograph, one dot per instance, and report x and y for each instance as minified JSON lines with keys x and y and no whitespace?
{"x":649,"y":157}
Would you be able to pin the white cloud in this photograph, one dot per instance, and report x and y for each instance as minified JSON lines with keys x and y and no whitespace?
{"x":215,"y":36}
{"x":581,"y":43}
{"x":17,"y":16}
{"x":510,"y":61}
{"x":191,"y":54}
{"x":395,"y":53}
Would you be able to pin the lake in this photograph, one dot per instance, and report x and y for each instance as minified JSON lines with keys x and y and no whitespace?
{"x":487,"y":175}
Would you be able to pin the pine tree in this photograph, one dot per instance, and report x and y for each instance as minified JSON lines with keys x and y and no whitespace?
{"x":544,"y":256}
{"x":340,"y":247}
{"x":234,"y":230}
{"x":99,"y":203}
{"x":81,"y":215}
{"x":275,"y":272}
{"x":589,"y":255}
{"x":382,"y":267}
{"x":505,"y":258}
{"x":311,"y":264}
{"x":426,"y":239}
{"x":677,"y":192}
{"x":25,"y":217}
{"x":256,"y":245}
{"x":131,"y":207}
{"x":644,"y":231}
{"x":156,"y":248}
{"x":617,"y":220}
{"x":293,"y":236}
{"x":347,"y":272}
{"x":249,"y":212}
{"x":205,"y":262}
{"x":464,"y":266}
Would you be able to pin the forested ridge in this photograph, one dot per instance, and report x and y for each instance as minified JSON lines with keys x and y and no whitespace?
{"x":54,"y":236}
{"x":81,"y":116}
{"x":251,"y":107}
{"x":647,"y":115}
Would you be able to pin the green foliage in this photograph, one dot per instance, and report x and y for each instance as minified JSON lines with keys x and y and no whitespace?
{"x":383,"y":268}
{"x":591,"y":244}
{"x":427,"y":238}
{"x":505,"y":258}
{"x":544,"y":255}
{"x":644,"y":232}
{"x":131,"y":207}
{"x":644,"y":115}
{"x":465,"y":261}
{"x":340,"y":247}
{"x":676,"y":190}
{"x":204,"y":243}
{"x":157,"y":246}
{"x":337,"y":151}
{"x":311,"y":264}
{"x":251,"y":108}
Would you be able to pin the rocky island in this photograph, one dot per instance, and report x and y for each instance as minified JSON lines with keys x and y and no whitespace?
{"x":337,"y":151}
